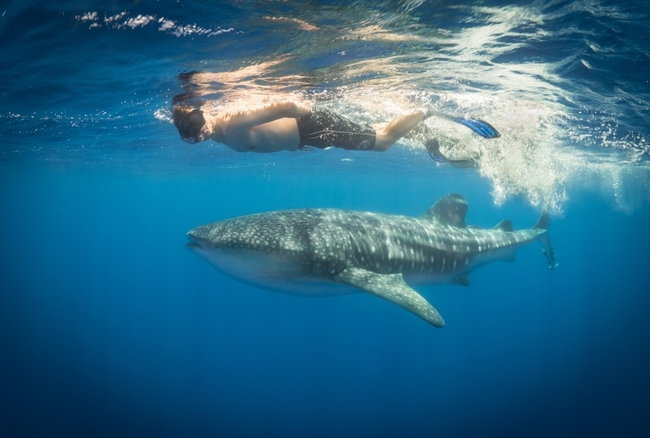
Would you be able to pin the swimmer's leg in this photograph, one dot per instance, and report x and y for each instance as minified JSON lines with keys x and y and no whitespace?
{"x":396,"y":129}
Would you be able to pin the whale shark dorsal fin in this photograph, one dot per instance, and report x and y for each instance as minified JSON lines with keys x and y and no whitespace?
{"x":504,"y":225}
{"x":451,"y":210}
{"x":391,"y":287}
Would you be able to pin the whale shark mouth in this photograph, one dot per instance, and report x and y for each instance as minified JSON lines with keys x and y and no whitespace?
{"x":196,"y":244}
{"x":193,"y":246}
{"x":193,"y":241}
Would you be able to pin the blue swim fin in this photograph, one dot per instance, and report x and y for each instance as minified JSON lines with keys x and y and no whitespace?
{"x":433,"y":148}
{"x":484,"y":129}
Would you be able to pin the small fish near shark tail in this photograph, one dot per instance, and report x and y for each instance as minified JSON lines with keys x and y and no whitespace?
{"x":542,"y":224}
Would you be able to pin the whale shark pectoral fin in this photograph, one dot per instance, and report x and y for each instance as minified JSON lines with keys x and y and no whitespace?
{"x":461,"y":280}
{"x":392,"y":287}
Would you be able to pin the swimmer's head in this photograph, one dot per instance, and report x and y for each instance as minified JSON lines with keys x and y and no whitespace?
{"x":189,"y":123}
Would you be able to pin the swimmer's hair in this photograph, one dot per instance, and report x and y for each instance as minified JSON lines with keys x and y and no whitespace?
{"x":188,"y":121}
{"x":188,"y":75}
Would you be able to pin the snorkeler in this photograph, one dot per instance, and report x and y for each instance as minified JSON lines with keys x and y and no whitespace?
{"x":289,"y":125}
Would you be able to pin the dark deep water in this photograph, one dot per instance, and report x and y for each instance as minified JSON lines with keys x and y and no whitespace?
{"x":110,"y":327}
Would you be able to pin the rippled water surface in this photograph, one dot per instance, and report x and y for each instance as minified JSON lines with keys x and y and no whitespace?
{"x":564,"y":82}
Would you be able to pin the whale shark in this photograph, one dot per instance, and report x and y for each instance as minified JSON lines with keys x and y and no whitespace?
{"x":322,"y":252}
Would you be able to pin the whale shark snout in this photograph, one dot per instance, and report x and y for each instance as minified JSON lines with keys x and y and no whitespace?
{"x":196,"y":243}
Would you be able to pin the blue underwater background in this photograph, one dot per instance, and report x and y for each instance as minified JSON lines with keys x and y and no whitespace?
{"x":110,"y":327}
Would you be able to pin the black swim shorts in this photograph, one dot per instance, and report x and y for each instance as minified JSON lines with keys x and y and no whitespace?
{"x":323,"y":129}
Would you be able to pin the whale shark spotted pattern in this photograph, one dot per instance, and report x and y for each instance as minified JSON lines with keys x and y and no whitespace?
{"x":333,"y":252}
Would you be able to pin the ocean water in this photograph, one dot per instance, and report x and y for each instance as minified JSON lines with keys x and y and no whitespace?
{"x":110,"y":327}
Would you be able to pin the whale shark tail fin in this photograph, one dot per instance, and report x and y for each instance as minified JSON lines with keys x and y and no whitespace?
{"x":548,"y":251}
{"x":543,"y":221}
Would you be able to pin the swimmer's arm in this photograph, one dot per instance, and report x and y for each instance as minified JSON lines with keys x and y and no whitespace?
{"x":268,"y":113}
